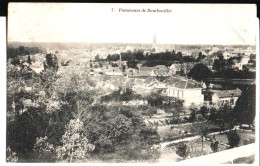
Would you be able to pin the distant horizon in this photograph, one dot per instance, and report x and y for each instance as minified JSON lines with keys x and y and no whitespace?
{"x":132,"y":43}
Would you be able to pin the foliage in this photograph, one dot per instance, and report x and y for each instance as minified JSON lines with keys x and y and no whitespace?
{"x":244,"y":110}
{"x":43,"y":150}
{"x":75,"y":143}
{"x":200,"y":72}
{"x":11,"y":156}
{"x":182,"y":150}
{"x":222,"y":117}
{"x":13,"y":52}
{"x":51,"y":62}
{"x":121,"y":94}
{"x":214,"y":146}
{"x":119,"y":130}
{"x":204,"y":111}
{"x":231,"y":73}
{"x":233,"y":138}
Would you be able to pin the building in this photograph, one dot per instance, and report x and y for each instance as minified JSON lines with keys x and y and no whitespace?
{"x":182,"y":68}
{"x":175,"y":68}
{"x":221,"y":97}
{"x":186,"y":89}
{"x":239,"y":64}
{"x":113,"y":71}
{"x":154,"y":44}
{"x":146,"y":71}
{"x":160,"y":72}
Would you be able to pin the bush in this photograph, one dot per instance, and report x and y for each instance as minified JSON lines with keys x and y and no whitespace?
{"x":250,"y":141}
{"x":11,"y":156}
{"x":233,"y":139}
{"x":182,"y":150}
{"x":43,"y":151}
{"x":214,"y":146}
{"x":75,"y":143}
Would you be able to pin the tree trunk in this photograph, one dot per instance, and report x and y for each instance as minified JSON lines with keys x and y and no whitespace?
{"x":202,"y":144}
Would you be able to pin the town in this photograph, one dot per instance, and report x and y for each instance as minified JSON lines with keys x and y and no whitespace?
{"x":177,"y":101}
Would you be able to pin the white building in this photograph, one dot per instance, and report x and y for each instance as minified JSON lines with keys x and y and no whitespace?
{"x":186,"y":89}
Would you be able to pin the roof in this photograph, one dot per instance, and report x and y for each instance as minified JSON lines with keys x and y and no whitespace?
{"x":182,"y":83}
{"x":146,"y":68}
{"x":228,"y":93}
{"x":160,"y":67}
{"x":139,"y":82}
{"x":161,"y":72}
{"x":151,"y":80}
{"x":145,"y":72}
{"x":176,"y":66}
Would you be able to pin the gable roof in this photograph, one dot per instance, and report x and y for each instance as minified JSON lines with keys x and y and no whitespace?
{"x":160,"y":67}
{"x":182,"y":83}
{"x":151,"y":80}
{"x":145,"y":72}
{"x":161,"y":72}
{"x":177,"y":66}
{"x":139,"y":82}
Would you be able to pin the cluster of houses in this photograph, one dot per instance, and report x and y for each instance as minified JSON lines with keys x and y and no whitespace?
{"x":95,"y":68}
{"x":190,"y":91}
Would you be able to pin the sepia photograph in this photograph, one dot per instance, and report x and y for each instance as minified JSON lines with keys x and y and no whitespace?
{"x":132,"y":83}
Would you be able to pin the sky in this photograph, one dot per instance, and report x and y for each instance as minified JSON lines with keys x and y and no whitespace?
{"x":185,"y":24}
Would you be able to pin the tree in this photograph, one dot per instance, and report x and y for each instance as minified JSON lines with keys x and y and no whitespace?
{"x":204,"y":111}
{"x":11,"y":156}
{"x":51,"y":62}
{"x":200,"y":72}
{"x":182,"y":150}
{"x":225,"y":117}
{"x":43,"y":150}
{"x":75,"y":143}
{"x":201,"y":129}
{"x":29,"y":60}
{"x":233,"y":138}
{"x":214,"y":146}
{"x":119,"y":130}
{"x":193,"y":115}
{"x":244,"y":110}
{"x":97,"y":58}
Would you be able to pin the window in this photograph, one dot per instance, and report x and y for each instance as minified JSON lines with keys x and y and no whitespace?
{"x":231,"y":101}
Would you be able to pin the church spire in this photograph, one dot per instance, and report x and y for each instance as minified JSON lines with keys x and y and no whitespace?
{"x":154,"y":42}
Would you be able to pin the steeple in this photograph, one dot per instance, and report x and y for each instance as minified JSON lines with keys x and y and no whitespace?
{"x":154,"y":43}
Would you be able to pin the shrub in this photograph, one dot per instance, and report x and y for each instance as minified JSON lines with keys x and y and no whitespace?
{"x":214,"y":146}
{"x":182,"y":150}
{"x":233,"y":139}
{"x":11,"y":156}
{"x":43,"y":151}
{"x":75,"y":143}
{"x":246,"y":142}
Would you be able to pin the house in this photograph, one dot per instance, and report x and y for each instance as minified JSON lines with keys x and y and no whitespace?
{"x":146,"y":71}
{"x":160,"y":72}
{"x":175,"y":68}
{"x":220,"y":97}
{"x":186,"y":89}
{"x":244,"y":61}
{"x":160,"y":67}
{"x":226,"y":55}
{"x":183,"y":68}
{"x":151,"y":83}
{"x":114,"y":72}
